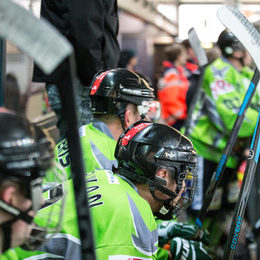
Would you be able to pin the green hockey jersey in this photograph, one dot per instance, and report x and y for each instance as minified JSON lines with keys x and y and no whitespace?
{"x":123,"y":223}
{"x":98,"y":148}
{"x":214,"y":116}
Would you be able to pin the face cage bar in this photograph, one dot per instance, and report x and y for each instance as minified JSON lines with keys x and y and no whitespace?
{"x":189,"y":184}
{"x":190,"y":181}
{"x":48,"y":219}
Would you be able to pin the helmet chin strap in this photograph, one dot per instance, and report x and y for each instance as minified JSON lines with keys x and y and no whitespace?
{"x":121,"y":108}
{"x":7,"y":226}
{"x":6,"y":234}
{"x":152,"y":190}
{"x":166,"y":211}
{"x":240,"y":60}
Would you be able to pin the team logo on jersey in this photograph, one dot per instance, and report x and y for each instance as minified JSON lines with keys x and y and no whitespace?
{"x":221,"y":87}
{"x":219,"y":73}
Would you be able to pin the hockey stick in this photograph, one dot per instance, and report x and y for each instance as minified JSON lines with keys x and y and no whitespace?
{"x":243,"y":194}
{"x":203,"y":61}
{"x":2,"y":69}
{"x":48,"y":48}
{"x":249,"y":37}
{"x":24,"y":31}
{"x":64,"y":77}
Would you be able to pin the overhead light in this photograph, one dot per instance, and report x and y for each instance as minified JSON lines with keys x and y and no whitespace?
{"x":207,"y":45}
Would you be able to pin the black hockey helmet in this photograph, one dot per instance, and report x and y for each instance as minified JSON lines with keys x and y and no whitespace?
{"x":25,"y":151}
{"x":146,"y":147}
{"x":228,"y":43}
{"x":112,"y":88}
{"x":25,"y":154}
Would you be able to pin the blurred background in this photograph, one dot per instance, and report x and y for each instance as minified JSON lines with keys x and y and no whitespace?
{"x":145,"y":26}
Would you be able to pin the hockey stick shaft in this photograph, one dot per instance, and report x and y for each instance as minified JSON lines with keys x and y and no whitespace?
{"x":66,"y":84}
{"x":50,"y":49}
{"x":2,"y":69}
{"x":218,"y":174}
{"x":243,"y":194}
{"x":203,"y":61}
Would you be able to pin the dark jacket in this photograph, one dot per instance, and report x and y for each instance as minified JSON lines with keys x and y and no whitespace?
{"x":91,"y":26}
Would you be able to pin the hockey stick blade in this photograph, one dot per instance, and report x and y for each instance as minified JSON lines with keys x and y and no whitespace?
{"x":35,"y":37}
{"x":196,"y":46}
{"x":242,"y":29}
{"x":202,"y":61}
{"x":54,"y":54}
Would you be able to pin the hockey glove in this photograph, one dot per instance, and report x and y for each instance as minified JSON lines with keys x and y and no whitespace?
{"x":189,"y":250}
{"x":167,"y":230}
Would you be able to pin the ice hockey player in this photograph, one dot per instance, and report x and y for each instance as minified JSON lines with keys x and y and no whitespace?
{"x":25,"y":154}
{"x":224,"y":89}
{"x":120,"y":97}
{"x":155,"y":177}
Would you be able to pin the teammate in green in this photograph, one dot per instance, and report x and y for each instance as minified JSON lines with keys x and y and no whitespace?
{"x":25,"y":154}
{"x":224,"y":87}
{"x":155,"y":177}
{"x":119,"y":97}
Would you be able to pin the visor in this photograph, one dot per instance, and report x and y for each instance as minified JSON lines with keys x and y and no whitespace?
{"x":150,"y":110}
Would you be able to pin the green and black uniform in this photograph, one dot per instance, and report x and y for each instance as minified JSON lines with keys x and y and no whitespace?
{"x":224,"y":90}
{"x":123,"y":223}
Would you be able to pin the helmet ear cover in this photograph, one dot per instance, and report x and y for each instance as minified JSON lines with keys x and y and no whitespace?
{"x":228,"y":43}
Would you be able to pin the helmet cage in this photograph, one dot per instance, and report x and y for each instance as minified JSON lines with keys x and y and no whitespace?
{"x":186,"y":187}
